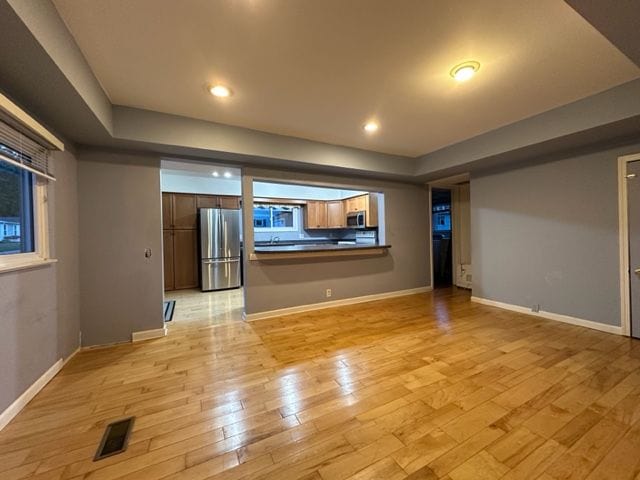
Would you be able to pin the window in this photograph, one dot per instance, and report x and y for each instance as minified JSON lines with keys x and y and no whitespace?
{"x":275,"y":218}
{"x":24,"y":175}
{"x":441,"y":218}
{"x":16,"y":210}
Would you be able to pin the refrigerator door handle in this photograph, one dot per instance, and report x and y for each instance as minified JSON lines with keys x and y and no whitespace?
{"x":209,"y":262}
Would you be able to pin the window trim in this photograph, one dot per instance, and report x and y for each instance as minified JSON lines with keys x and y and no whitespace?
{"x":40,"y":256}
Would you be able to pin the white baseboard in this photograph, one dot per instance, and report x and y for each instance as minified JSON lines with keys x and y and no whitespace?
{"x":16,"y":407}
{"x":148,"y":334}
{"x":333,"y":303}
{"x":551,"y":316}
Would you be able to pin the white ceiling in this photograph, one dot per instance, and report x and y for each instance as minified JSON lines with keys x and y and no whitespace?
{"x":320,"y":69}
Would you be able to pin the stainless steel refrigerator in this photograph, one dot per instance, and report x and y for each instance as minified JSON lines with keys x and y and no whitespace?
{"x":219,"y":248}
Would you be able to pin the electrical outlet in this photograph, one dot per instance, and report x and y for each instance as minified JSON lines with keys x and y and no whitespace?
{"x":535,"y":308}
{"x":328,"y":292}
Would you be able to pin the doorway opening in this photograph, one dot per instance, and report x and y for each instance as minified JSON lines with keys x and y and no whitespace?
{"x":441,"y":237}
{"x":202,"y":243}
{"x":451,"y":232}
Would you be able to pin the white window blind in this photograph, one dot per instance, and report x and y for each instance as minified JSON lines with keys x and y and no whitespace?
{"x":20,"y":150}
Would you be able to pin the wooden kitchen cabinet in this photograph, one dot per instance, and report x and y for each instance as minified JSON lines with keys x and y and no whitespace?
{"x":371,"y":209}
{"x":367,"y":203}
{"x":185,"y":258}
{"x":315,"y":214}
{"x":356,"y":204}
{"x":349,"y":205}
{"x":167,"y":257}
{"x":184,"y":211}
{"x":180,"y":257}
{"x":336,"y":217}
{"x":180,"y":235}
{"x":218,"y":201}
{"x":167,"y":210}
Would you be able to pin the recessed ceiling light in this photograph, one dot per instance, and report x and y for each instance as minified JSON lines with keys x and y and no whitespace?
{"x":371,"y":127}
{"x":227,"y":175}
{"x":220,"y":91}
{"x":215,"y":174}
{"x":465,"y":71}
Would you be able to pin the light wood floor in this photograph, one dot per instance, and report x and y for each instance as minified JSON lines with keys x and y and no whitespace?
{"x":206,"y":308}
{"x":421,"y":387}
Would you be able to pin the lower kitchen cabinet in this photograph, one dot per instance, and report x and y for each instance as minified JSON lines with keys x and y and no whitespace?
{"x":167,"y":254}
{"x":180,"y":259}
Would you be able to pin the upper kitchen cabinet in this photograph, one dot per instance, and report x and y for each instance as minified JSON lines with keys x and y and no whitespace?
{"x":371,"y":209}
{"x":315,"y":214}
{"x":218,"y":201}
{"x":336,"y":217}
{"x":367,"y":203}
{"x":356,"y":204}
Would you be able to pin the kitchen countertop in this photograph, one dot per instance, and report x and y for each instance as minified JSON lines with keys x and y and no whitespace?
{"x":293,"y":252}
{"x":313,"y":248}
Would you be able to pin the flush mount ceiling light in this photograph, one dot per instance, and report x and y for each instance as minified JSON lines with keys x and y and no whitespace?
{"x":220,"y":91}
{"x":371,"y":127}
{"x":215,"y":174}
{"x":464,"y":71}
{"x":227,"y":175}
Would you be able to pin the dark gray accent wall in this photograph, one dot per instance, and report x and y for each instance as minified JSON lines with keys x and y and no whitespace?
{"x":547,"y":234}
{"x":121,"y":291}
{"x":281,"y":284}
{"x":39,"y":307}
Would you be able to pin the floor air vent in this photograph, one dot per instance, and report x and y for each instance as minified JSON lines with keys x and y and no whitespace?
{"x":115,"y":438}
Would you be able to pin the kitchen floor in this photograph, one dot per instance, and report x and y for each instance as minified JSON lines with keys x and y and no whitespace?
{"x":194,"y":307}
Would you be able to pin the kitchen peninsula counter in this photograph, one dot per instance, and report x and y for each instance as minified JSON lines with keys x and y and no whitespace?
{"x":275,"y":251}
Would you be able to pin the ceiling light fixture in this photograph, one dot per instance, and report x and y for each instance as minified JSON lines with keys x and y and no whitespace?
{"x":371,"y":127}
{"x":227,"y":175}
{"x":464,"y":71}
{"x":220,"y":91}
{"x":215,"y":174}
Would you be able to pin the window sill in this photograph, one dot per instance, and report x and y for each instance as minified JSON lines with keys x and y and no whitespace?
{"x":25,"y":264}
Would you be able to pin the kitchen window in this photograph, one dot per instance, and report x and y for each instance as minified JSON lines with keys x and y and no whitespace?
{"x":276,"y":218}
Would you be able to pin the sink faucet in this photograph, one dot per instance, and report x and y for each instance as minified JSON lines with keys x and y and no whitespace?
{"x":274,"y":239}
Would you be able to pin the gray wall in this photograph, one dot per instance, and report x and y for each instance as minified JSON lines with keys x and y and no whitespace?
{"x":548,"y":234}
{"x":121,"y":291}
{"x":40,"y":319}
{"x":281,"y":284}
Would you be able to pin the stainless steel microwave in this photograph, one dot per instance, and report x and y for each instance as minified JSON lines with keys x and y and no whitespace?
{"x":356,"y":220}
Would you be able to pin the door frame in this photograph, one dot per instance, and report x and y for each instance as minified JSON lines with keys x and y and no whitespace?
{"x":623,"y":222}
{"x":430,"y":188}
{"x":451,"y":184}
{"x":453,"y":191}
